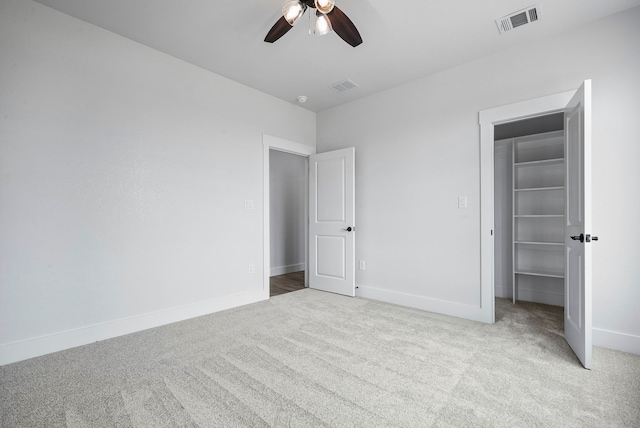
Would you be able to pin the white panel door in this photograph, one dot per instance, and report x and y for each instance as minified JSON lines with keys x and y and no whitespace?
{"x":332,"y":221}
{"x":577,"y":299}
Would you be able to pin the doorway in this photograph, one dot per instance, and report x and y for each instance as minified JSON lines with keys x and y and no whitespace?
{"x":529,"y":210}
{"x":271,"y":145}
{"x":489,"y":120}
{"x":330,"y":180}
{"x":288,"y":201}
{"x":576,"y":226}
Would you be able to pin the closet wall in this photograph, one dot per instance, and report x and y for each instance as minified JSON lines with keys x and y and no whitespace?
{"x":503,"y":200}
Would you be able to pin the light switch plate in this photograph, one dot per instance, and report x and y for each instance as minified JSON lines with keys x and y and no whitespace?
{"x":462,"y":202}
{"x":248,"y":204}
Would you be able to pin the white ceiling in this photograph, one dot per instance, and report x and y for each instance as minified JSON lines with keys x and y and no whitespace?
{"x":402,"y":41}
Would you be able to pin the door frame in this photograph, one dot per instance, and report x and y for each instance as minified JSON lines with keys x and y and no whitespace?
{"x":488,"y":119}
{"x":270,"y":142}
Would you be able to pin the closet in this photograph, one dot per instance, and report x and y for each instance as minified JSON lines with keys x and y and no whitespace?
{"x":529,"y":220}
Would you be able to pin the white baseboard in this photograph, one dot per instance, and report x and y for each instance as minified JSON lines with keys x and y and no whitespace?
{"x":420,"y":302}
{"x":281,"y":270}
{"x":603,"y":338}
{"x":531,"y":296}
{"x":503,"y":292}
{"x":24,"y":349}
{"x":618,"y":341}
{"x":541,"y":297}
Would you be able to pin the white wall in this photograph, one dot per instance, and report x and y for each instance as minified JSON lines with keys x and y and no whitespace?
{"x":123,"y":176}
{"x":287,"y":173}
{"x":418,"y":150}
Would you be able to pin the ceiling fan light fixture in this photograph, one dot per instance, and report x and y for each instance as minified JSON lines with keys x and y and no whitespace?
{"x":293,"y":10}
{"x":329,"y":18}
{"x":323,"y":25}
{"x":324,"y":6}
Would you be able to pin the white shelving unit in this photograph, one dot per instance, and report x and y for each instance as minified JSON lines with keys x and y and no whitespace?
{"x":538,"y":211}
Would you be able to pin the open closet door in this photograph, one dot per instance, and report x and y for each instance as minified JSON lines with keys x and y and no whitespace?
{"x":577,"y":308}
{"x":331,"y":221}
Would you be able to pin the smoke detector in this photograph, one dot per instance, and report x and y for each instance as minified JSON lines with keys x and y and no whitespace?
{"x":302,"y":99}
{"x":517,"y":19}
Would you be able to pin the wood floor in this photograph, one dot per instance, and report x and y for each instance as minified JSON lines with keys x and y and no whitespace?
{"x":286,"y":283}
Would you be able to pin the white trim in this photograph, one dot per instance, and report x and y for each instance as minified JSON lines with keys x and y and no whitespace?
{"x":270,"y":142}
{"x":280,"y":144}
{"x":281,"y":270}
{"x":525,"y":109}
{"x":29,"y":348}
{"x":470,"y":312}
{"x":543,"y":297}
{"x":487,"y":119}
{"x":617,"y":341}
{"x":503,"y":292}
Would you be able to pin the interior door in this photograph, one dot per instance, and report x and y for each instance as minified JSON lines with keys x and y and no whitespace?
{"x":332,"y":221}
{"x":577,"y":308}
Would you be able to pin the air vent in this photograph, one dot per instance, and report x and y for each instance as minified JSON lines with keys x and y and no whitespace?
{"x":517,"y":19}
{"x":344,"y":86}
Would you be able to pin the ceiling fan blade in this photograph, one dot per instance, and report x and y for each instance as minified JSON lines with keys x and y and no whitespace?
{"x":343,"y":26}
{"x":278,"y":30}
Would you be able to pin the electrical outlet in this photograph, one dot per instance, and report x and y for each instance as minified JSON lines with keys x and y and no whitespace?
{"x":251,"y":269}
{"x":361,"y":265}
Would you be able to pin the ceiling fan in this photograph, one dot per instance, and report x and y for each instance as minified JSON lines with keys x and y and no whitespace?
{"x":328,"y":17}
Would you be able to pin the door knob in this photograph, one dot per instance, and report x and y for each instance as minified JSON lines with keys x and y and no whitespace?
{"x":583,"y":238}
{"x":348,"y":229}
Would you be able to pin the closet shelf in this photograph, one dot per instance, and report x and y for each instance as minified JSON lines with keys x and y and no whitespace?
{"x":539,"y":273}
{"x":554,"y":161}
{"x":538,"y":192}
{"x":539,"y":215}
{"x":558,"y":244}
{"x":538,"y":189}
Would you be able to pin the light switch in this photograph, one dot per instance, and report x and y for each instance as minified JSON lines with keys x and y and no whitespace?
{"x":248,"y":204}
{"x":462,"y":202}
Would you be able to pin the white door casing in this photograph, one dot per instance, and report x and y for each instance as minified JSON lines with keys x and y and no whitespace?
{"x":332,"y":221}
{"x":578,"y":293}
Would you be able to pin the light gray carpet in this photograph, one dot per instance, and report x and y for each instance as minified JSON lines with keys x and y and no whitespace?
{"x":313,"y":359}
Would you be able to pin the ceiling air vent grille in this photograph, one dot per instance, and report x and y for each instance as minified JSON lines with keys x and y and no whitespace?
{"x":517,"y":19}
{"x":344,"y":86}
